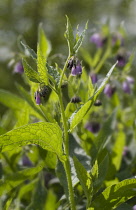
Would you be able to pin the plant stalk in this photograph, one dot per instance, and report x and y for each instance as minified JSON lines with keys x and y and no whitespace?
{"x":66,"y":151}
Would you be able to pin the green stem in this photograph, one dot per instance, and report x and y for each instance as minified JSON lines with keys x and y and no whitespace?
{"x":66,"y":150}
{"x":63,"y":72}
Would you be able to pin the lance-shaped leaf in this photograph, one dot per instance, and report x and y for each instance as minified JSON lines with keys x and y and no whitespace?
{"x":44,"y":44}
{"x":29,"y":50}
{"x":115,"y":195}
{"x":69,"y":36}
{"x":17,"y":178}
{"x":80,"y":39}
{"x":30,"y":73}
{"x":78,"y":115}
{"x":41,"y":66}
{"x":85,"y":180}
{"x":99,"y":172}
{"x":46,"y":135}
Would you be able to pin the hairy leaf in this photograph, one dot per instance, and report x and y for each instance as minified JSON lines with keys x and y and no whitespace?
{"x":85,"y":180}
{"x":69,"y":36}
{"x":78,"y":115}
{"x":30,"y":73}
{"x":114,"y":195}
{"x":31,"y":51}
{"x":44,"y":44}
{"x":46,"y":135}
{"x":80,"y":39}
{"x":41,"y":66}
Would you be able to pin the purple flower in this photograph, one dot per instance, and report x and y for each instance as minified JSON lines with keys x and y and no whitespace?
{"x":134,"y":207}
{"x":26,"y":161}
{"x":93,"y":127}
{"x":18,"y":68}
{"x":76,"y":69}
{"x":121,"y":60}
{"x":37,"y":97}
{"x":97,"y":39}
{"x":94,"y":78}
{"x":126,"y":87}
{"x":130,"y":80}
{"x":109,"y":90}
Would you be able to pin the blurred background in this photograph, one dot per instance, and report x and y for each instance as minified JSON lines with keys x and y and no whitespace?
{"x":20,"y":18}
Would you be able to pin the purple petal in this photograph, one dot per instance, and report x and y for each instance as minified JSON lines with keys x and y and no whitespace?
{"x":18,"y":68}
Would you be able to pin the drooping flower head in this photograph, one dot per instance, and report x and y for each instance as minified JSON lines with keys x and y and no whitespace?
{"x":37,"y":97}
{"x":98,"y":40}
{"x":75,"y":99}
{"x":109,"y":90}
{"x":126,"y":87}
{"x":93,"y":127}
{"x":18,"y":68}
{"x":94,"y":78}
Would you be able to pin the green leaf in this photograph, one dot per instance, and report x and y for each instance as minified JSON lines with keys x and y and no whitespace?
{"x":69,"y":36}
{"x":53,"y":73}
{"x":85,"y":180}
{"x":46,"y":135}
{"x":38,"y":197}
{"x":44,"y":44}
{"x":30,"y":73}
{"x":115,"y":195}
{"x":100,"y":174}
{"x":22,"y":116}
{"x":17,"y":178}
{"x":80,"y":39}
{"x":11,"y":100}
{"x":118,"y":150}
{"x":50,"y":201}
{"x":29,"y":50}
{"x":30,"y":102}
{"x":79,"y":114}
{"x":103,"y":136}
{"x":41,"y":66}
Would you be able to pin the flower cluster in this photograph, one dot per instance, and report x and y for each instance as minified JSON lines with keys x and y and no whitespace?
{"x":75,"y":66}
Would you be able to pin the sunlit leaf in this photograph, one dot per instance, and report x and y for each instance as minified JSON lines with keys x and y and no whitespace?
{"x":30,"y":73}
{"x":46,"y":135}
{"x":41,"y":66}
{"x":85,"y":180}
{"x":115,"y":195}
{"x":17,"y":178}
{"x":78,"y":115}
{"x":69,"y":36}
{"x":44,"y":44}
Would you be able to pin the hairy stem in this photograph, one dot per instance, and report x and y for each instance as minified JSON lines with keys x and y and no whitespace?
{"x":66,"y":150}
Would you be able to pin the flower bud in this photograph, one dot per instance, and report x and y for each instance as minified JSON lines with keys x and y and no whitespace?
{"x":76,"y":69}
{"x":121,"y":60}
{"x":75,"y":99}
{"x":93,"y":127}
{"x":130,"y":80}
{"x":98,"y":40}
{"x":94,"y":78}
{"x":18,"y":68}
{"x":126,"y":87}
{"x":97,"y":103}
{"x":109,"y":90}
{"x":37,"y":97}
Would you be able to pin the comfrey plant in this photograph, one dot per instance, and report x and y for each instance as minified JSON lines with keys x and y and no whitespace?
{"x":59,"y":144}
